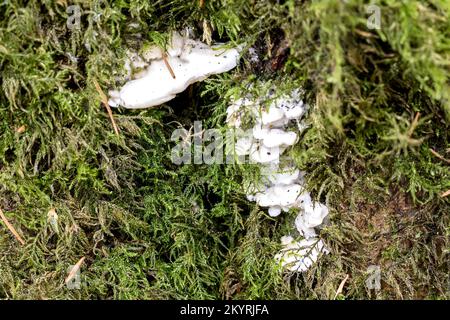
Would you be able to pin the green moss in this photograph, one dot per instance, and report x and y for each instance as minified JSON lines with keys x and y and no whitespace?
{"x":151,"y":229}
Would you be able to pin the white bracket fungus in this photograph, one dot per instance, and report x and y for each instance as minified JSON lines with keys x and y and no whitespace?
{"x":283,"y":189}
{"x":312,"y":216}
{"x":166,"y":74}
{"x":299,"y":255}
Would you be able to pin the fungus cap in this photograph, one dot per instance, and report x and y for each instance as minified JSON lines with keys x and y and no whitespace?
{"x":190,"y":61}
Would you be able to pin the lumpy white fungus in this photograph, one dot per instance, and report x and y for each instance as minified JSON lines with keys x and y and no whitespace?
{"x":162,"y":75}
{"x":282,"y":188}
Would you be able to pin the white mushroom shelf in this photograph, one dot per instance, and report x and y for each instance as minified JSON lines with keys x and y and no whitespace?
{"x":164,"y":75}
{"x":282,"y":189}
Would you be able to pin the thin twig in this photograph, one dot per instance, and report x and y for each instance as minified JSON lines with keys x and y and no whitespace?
{"x":439,"y":156}
{"x":166,"y":62}
{"x":11,"y":228}
{"x":105,"y":103}
{"x":74,"y":270}
{"x":341,"y":287}
{"x":445,"y":194}
{"x":414,"y":124}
